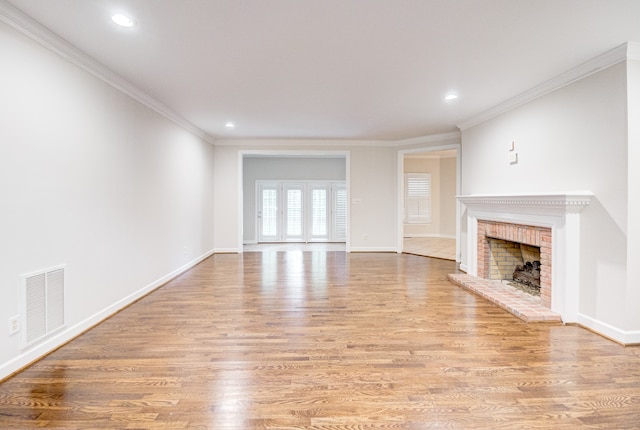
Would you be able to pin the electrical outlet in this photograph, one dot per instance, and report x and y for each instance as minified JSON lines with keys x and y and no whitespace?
{"x":184,"y":251}
{"x":513,"y":157}
{"x":14,"y":326}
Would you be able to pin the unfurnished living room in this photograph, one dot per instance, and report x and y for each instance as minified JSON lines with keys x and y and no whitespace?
{"x":319,"y":214}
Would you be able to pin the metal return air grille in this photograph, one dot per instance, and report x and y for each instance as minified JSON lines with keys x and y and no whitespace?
{"x":43,"y":304}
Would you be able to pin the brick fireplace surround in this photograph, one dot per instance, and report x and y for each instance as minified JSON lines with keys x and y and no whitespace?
{"x":548,"y":221}
{"x":529,"y":235}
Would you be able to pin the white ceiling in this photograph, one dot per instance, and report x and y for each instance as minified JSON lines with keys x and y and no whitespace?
{"x":338,"y":69}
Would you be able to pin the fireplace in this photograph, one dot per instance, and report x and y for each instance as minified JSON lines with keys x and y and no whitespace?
{"x":516,"y":262}
{"x":550,"y":222}
{"x":502,"y":246}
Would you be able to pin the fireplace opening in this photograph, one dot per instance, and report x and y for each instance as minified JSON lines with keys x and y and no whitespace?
{"x":518,"y":264}
{"x":522,"y":240}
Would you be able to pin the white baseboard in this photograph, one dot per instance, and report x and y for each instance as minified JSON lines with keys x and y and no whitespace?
{"x":373,"y":249}
{"x":625,"y":337}
{"x":36,"y":352}
{"x":227,"y":251}
{"x":443,"y":236}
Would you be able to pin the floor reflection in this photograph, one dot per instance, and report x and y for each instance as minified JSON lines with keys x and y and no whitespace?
{"x":299,"y":340}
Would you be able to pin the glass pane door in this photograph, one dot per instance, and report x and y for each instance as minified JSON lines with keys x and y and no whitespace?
{"x":319,"y":213}
{"x":294,"y":212}
{"x":268,"y":219}
{"x":301,"y":211}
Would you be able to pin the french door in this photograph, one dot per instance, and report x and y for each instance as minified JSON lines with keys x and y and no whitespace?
{"x":310,"y":211}
{"x":293,"y":212}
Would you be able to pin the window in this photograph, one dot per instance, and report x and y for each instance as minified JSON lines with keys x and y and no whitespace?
{"x":417,"y":202}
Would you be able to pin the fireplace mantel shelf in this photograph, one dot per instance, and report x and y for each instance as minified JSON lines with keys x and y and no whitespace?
{"x":574,"y":201}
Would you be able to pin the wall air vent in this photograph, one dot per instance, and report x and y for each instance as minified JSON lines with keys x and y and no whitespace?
{"x":42,"y":304}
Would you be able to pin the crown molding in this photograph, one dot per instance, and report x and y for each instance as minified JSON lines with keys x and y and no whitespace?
{"x":420,"y":140}
{"x":633,"y":51}
{"x":601,"y":62}
{"x":429,"y":139}
{"x":293,"y":153}
{"x":18,"y":20}
{"x":274,"y":143}
{"x":427,"y":156}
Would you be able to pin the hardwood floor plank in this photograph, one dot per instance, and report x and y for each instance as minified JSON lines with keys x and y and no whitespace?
{"x":325,"y":340}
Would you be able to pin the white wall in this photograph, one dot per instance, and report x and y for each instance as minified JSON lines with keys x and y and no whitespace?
{"x":633,"y":166}
{"x":574,"y":138}
{"x":91,"y":179}
{"x":371,"y":180}
{"x":227,"y":227}
{"x":373,"y":224}
{"x":278,"y":168}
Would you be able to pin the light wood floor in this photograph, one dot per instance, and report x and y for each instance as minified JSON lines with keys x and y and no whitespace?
{"x":295,"y":246}
{"x":331,"y":340}
{"x":438,"y":247}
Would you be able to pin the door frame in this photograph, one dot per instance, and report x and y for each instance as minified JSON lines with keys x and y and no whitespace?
{"x":400,"y":204}
{"x":292,"y":153}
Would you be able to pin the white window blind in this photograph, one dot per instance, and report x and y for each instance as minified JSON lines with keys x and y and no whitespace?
{"x":269,"y":212}
{"x":340,"y":213}
{"x":319,"y":212}
{"x":294,"y":212}
{"x":417,"y":198}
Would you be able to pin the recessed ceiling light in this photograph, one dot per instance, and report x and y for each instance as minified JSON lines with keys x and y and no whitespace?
{"x":123,"y":20}
{"x":229,"y":124}
{"x":450,"y":97}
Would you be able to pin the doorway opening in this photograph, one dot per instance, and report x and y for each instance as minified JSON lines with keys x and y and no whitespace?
{"x":294,"y":197}
{"x":428,"y":212}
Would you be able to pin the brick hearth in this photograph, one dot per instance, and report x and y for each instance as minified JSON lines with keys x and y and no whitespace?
{"x":525,"y":306}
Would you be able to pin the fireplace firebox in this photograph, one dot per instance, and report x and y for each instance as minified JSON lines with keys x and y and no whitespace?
{"x":500,"y":246}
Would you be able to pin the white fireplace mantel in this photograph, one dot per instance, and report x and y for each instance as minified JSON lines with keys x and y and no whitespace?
{"x":558,"y":211}
{"x":543,"y":203}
